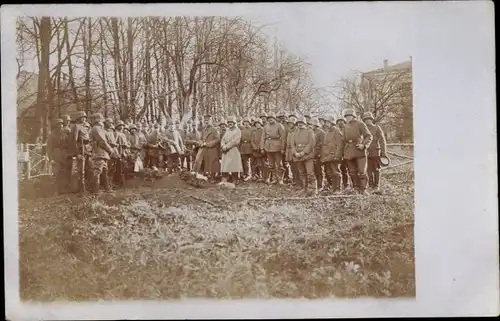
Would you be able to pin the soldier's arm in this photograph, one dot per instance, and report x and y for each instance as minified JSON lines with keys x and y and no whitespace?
{"x":311,"y":143}
{"x":292,"y":146}
{"x":84,"y":134}
{"x":339,"y":144}
{"x":282,"y":133}
{"x":367,"y":136}
{"x":319,"y":140}
{"x":262,"y":138}
{"x":382,"y":141}
{"x":100,"y":138}
{"x":215,"y":141}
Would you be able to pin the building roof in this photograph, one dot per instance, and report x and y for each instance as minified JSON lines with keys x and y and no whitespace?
{"x":400,"y":66}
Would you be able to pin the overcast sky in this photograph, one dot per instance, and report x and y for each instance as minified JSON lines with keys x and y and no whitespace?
{"x":335,"y":38}
{"x":343,"y":37}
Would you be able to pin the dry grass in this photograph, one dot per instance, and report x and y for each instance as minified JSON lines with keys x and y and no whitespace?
{"x":157,"y":242}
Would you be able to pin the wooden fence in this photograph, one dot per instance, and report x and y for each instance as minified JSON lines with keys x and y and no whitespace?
{"x":32,"y":161}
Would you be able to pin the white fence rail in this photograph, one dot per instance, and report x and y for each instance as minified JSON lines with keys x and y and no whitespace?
{"x":32,"y":161}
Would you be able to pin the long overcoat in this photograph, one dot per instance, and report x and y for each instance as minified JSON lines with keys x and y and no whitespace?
{"x":210,"y":160}
{"x":231,"y":159}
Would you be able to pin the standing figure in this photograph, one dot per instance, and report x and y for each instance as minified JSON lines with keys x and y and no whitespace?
{"x":377,"y":148}
{"x":122,"y":146}
{"x":257,"y":154}
{"x":102,"y":152}
{"x":77,"y":139}
{"x":331,"y":154}
{"x":319,"y":135}
{"x":153,"y":150}
{"x":343,"y":165}
{"x":303,"y":143}
{"x":273,"y":144}
{"x":246,"y":148}
{"x":190,"y":144}
{"x":207,"y":159}
{"x":291,"y":129}
{"x":110,"y":136}
{"x":56,"y":151}
{"x":88,"y":156}
{"x":357,"y":138}
{"x":137,"y":142}
{"x":172,"y":145}
{"x":231,"y":164}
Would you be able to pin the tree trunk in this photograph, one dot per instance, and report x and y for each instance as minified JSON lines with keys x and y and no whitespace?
{"x":43,"y":79}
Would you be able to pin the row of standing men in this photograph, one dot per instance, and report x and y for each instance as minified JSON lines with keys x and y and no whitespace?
{"x":309,"y":153}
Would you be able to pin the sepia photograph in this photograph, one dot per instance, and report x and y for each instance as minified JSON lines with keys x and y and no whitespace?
{"x":189,"y":156}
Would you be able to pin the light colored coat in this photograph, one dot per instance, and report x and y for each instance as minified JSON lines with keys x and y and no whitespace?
{"x":231,"y":159}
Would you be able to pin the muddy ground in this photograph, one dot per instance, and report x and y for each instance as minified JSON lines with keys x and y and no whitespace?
{"x":166,"y":239}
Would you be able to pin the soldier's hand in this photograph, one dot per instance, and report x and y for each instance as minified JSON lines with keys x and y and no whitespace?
{"x":79,"y":157}
{"x":360,"y":146}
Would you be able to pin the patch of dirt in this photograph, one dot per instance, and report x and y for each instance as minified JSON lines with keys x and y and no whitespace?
{"x":165,"y":239}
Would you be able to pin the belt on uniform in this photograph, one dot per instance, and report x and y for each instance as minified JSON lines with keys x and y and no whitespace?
{"x":300,"y":145}
{"x":270,"y":138}
{"x":351,"y":141}
{"x":246,"y":141}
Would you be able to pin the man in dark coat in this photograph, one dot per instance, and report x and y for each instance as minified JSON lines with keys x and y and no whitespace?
{"x":357,"y":139}
{"x":377,"y":148}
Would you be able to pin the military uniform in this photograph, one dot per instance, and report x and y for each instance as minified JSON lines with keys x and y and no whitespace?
{"x":273,"y":143}
{"x":153,"y":150}
{"x":88,"y":157}
{"x":191,"y":145}
{"x":343,"y":165}
{"x":56,"y":151}
{"x":110,"y":136}
{"x":303,"y":144}
{"x":122,"y":146}
{"x":101,"y":154}
{"x":210,"y":144}
{"x":172,"y":146}
{"x":356,"y":133}
{"x":319,"y":135}
{"x":377,"y":148}
{"x":246,"y":147}
{"x":137,"y":143}
{"x":76,"y":141}
{"x":289,"y":153}
{"x":331,"y":153}
{"x":257,"y":154}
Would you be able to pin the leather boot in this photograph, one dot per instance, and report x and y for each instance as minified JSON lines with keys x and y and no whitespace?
{"x":106,"y":181}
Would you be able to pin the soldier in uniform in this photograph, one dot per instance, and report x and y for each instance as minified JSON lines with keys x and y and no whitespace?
{"x":308,"y":120}
{"x":343,"y":165}
{"x":303,"y":144}
{"x":231,"y":158}
{"x":210,"y":144}
{"x":246,"y":148}
{"x":123,"y":145}
{"x":281,"y":118}
{"x":66,"y":123}
{"x":322,"y":120}
{"x":263,"y":118}
{"x":56,"y":151}
{"x":110,"y":136}
{"x":319,"y":136}
{"x":291,"y":129}
{"x":273,"y":143}
{"x":257,"y":154}
{"x":190,"y":144}
{"x":357,"y":139}
{"x":137,"y":142}
{"x":173,"y":147}
{"x":377,"y":148}
{"x":88,"y":155}
{"x":331,"y":153}
{"x":77,"y":139}
{"x":153,"y":151}
{"x":101,"y":153}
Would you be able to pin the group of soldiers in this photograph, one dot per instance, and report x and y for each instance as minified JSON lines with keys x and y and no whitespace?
{"x":312,"y":154}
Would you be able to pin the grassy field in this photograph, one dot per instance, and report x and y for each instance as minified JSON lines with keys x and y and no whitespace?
{"x":168,"y":240}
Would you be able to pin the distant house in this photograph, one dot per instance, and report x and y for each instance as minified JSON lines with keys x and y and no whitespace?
{"x":63,"y":102}
{"x":398,"y":124}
